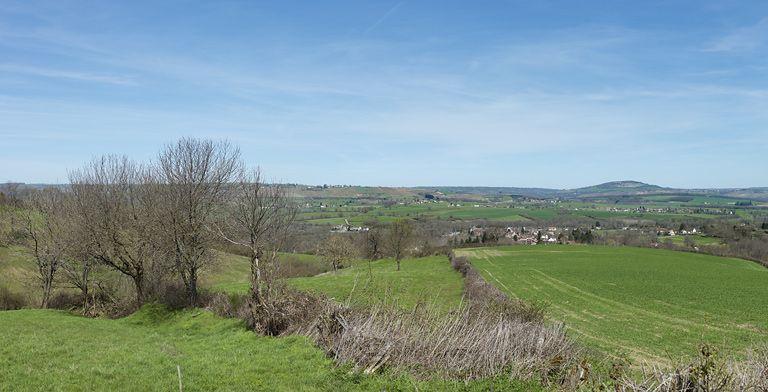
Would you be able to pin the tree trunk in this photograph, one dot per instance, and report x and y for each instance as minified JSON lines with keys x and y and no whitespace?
{"x":47,"y":287}
{"x":85,"y":277}
{"x":46,"y":295}
{"x":192,"y":287}
{"x":398,"y":264}
{"x":256,"y":277}
{"x":138,"y":282}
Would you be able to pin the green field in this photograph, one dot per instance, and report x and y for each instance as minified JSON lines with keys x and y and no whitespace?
{"x":649,"y":305}
{"x":56,"y":351}
{"x":697,"y":239}
{"x":421,"y":280}
{"x":428,"y":280}
{"x":231,"y":273}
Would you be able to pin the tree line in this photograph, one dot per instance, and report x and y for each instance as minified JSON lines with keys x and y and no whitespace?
{"x":154,"y":222}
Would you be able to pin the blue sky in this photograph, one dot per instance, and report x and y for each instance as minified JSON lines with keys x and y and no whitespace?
{"x":499,"y":93}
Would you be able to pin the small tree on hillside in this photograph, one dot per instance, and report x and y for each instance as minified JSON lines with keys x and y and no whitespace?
{"x":114,"y":211}
{"x":47,"y":227}
{"x":337,"y":250}
{"x":259,"y":219}
{"x":399,"y":236}
{"x":373,"y":242}
{"x":192,"y":177}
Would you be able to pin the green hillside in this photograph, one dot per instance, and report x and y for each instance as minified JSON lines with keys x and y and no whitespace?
{"x":57,"y":351}
{"x":421,"y":280}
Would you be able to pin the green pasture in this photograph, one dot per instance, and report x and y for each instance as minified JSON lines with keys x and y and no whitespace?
{"x":428,"y":280}
{"x":46,"y":350}
{"x":649,"y":305}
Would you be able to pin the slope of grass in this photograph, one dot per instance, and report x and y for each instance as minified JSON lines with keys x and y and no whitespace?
{"x":646,"y":304}
{"x":428,"y":279}
{"x":231,"y":273}
{"x":16,"y":268}
{"x":50,"y":350}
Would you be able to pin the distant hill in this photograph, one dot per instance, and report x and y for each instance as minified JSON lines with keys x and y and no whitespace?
{"x":624,"y":188}
{"x":615,"y":188}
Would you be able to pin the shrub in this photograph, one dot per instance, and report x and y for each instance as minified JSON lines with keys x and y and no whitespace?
{"x":708,"y":372}
{"x":466,"y":344}
{"x":481,"y":294}
{"x":10,"y":300}
{"x":66,"y":300}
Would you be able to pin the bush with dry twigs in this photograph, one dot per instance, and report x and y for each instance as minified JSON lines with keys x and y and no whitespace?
{"x":707,"y":373}
{"x":465,"y":344}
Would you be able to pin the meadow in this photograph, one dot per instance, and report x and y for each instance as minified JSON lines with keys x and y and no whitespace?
{"x":647,"y":305}
{"x":58,"y":351}
{"x":425,"y":280}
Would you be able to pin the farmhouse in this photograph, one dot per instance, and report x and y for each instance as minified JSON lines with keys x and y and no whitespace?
{"x":346,"y":227}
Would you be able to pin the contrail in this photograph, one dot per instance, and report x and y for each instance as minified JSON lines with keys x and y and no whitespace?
{"x":384,"y":17}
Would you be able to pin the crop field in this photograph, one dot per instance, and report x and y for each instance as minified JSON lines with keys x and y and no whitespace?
{"x":429,"y":280}
{"x":510,"y":212}
{"x":648,"y":305}
{"x":337,"y":215}
{"x":53,"y":350}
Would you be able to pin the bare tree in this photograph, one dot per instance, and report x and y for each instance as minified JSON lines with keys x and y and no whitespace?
{"x":47,"y":227}
{"x":336,"y":250}
{"x":114,"y":212}
{"x":259,"y":219}
{"x":193,"y":177}
{"x":373,"y":242}
{"x":399,"y":236}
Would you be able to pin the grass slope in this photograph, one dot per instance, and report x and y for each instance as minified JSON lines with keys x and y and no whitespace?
{"x":16,"y":267}
{"x":648,"y":304}
{"x":427,"y":279}
{"x":231,"y":273}
{"x":56,"y":351}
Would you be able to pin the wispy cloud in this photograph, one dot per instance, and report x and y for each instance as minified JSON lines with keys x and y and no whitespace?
{"x":742,"y":39}
{"x":68,"y":74}
{"x":384,"y":17}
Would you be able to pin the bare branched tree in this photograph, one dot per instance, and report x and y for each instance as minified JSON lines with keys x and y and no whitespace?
{"x":193,"y":176}
{"x":114,"y":211}
{"x":373,"y":242}
{"x":47,"y":226}
{"x":337,"y":250}
{"x":80,"y":268}
{"x":259,"y":219}
{"x":399,"y":237}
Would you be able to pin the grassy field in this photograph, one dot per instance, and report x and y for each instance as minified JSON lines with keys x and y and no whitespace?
{"x":57,"y":351}
{"x":518,"y":214}
{"x":231,"y":273}
{"x":15,"y":268}
{"x":697,"y":239}
{"x":429,"y":280}
{"x":646,"y":304}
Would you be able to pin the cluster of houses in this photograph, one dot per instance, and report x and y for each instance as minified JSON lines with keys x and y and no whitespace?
{"x":347,"y":228}
{"x":532,"y":237}
{"x":672,"y":233}
{"x":520,"y":235}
